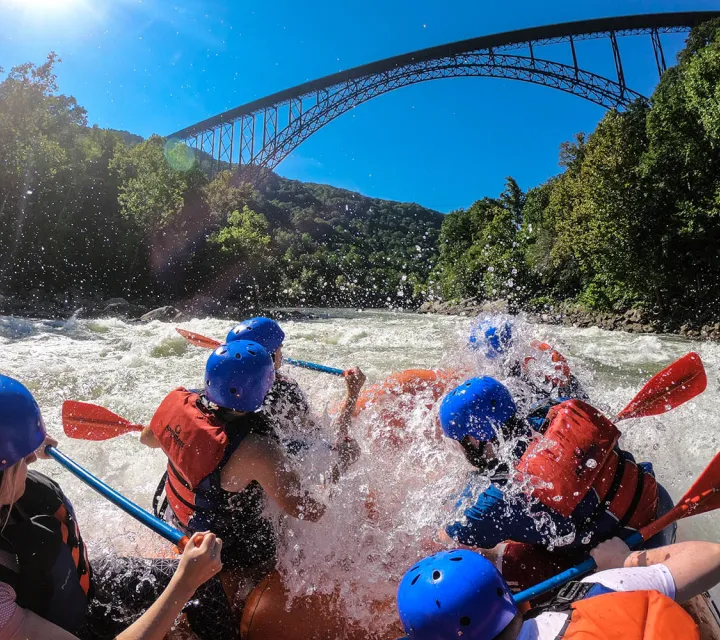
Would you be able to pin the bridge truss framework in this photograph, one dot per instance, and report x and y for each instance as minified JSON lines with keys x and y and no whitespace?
{"x":266,"y":131}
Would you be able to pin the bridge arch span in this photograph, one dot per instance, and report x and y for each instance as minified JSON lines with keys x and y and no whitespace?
{"x":264,"y":132}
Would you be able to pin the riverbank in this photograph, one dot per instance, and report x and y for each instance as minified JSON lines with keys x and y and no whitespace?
{"x":143,"y":310}
{"x":571,"y":315}
{"x":139,"y":310}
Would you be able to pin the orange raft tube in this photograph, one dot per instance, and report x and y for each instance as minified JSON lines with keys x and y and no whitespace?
{"x":400,"y":394}
{"x":270,"y":615}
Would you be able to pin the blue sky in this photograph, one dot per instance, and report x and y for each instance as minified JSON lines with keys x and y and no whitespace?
{"x":156,"y":66}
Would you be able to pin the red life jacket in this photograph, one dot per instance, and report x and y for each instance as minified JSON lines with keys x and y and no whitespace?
{"x":195,"y":442}
{"x":578,"y":453}
{"x":561,"y":373}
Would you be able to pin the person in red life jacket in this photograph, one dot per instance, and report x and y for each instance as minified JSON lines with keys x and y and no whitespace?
{"x":544,"y":369}
{"x":633,"y":596}
{"x":572,"y":488}
{"x":225,"y":460}
{"x":49,"y":589}
{"x":286,"y":406}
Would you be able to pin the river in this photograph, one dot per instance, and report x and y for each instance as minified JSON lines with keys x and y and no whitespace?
{"x":130,"y":367}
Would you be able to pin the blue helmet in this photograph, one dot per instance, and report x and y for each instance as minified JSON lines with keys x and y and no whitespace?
{"x":264,"y":331}
{"x":476,"y":408}
{"x":22,"y":429}
{"x":454,"y":594}
{"x":494,"y":340}
{"x":238,"y":375}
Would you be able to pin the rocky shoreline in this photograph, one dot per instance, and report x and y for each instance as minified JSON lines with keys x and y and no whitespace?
{"x":37,"y":305}
{"x":631,"y":321}
{"x":137,"y":310}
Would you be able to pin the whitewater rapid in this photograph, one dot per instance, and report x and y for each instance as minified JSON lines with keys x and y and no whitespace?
{"x":129,"y":368}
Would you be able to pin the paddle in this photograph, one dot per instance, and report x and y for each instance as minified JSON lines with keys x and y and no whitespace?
{"x":155,"y":524}
{"x":198,"y":340}
{"x":209,"y":343}
{"x":702,"y":497}
{"x":314,"y":367}
{"x":681,"y":381}
{"x":91,"y":422}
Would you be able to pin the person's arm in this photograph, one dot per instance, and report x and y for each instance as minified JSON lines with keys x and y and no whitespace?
{"x":354,"y":380}
{"x":492,"y":520}
{"x":262,"y":459}
{"x":198,"y":563}
{"x":694,"y":565}
{"x":347,"y":447}
{"x":147,"y":437}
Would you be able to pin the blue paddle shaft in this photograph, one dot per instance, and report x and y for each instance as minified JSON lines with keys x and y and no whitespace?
{"x":315,"y":367}
{"x":571,"y":574}
{"x":155,"y":524}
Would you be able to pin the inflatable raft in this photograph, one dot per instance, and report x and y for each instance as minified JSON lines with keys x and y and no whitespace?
{"x":270,"y":613}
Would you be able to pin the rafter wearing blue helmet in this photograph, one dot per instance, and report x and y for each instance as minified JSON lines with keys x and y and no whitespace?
{"x":493,"y":341}
{"x":286,"y":406}
{"x":481,"y":415}
{"x":225,"y":459}
{"x":635,"y":595}
{"x":542,"y":368}
{"x":48,"y":586}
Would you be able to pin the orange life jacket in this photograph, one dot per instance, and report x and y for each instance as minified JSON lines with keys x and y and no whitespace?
{"x":195,"y":442}
{"x":598,"y":613}
{"x":561,"y":373}
{"x":629,"y":615}
{"x":577,"y":453}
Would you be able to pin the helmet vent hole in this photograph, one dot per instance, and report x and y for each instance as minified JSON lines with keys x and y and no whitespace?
{"x":233,"y":390}
{"x":415,"y":568}
{"x":456,"y":559}
{"x":464,"y":621}
{"x":238,"y":356}
{"x":251,"y":351}
{"x":436,"y":575}
{"x":500,"y":592}
{"x":437,"y":603}
{"x":415,"y":579}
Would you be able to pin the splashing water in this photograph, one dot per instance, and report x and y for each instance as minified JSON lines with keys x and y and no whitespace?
{"x":404,"y":485}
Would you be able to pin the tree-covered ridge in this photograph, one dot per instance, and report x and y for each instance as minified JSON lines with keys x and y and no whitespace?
{"x":633,"y":220}
{"x":86,"y":210}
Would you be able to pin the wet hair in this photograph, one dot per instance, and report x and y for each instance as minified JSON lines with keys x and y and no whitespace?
{"x":513,"y":428}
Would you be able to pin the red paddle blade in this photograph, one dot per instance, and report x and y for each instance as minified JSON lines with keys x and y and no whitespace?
{"x":86,"y":421}
{"x":198,"y":340}
{"x":702,"y":497}
{"x":681,"y":381}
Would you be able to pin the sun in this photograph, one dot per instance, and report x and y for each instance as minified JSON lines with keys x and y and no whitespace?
{"x":41,"y":7}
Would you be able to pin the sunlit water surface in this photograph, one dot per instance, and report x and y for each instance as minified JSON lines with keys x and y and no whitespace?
{"x":397,"y":494}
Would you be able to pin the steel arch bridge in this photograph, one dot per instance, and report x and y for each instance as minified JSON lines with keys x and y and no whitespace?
{"x":264,"y":132}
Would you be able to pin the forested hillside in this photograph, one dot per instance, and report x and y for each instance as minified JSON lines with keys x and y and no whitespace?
{"x":89,"y":211}
{"x":632,"y":221}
